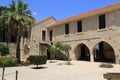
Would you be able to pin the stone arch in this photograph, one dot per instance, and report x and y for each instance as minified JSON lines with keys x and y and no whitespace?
{"x":82,"y":52}
{"x":104,"y":52}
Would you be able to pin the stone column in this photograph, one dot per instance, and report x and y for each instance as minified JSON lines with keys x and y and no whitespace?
{"x":91,"y":56}
{"x":117,"y":59}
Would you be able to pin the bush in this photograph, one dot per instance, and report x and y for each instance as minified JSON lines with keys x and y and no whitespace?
{"x":8,"y":61}
{"x":106,"y":65}
{"x":37,"y":59}
{"x":4,"y":50}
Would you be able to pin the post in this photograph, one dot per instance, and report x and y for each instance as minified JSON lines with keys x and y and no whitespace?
{"x":16,"y":78}
{"x":3,"y":73}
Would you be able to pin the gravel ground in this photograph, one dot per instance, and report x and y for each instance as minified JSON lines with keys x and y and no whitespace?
{"x":79,"y":70}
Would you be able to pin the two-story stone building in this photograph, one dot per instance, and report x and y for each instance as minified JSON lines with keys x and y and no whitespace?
{"x":39,"y":35}
{"x":93,"y":36}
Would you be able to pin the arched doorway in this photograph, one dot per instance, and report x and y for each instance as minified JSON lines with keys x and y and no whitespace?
{"x":82,"y":52}
{"x":103,"y":52}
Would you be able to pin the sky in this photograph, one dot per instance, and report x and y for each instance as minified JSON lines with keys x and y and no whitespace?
{"x":61,"y":9}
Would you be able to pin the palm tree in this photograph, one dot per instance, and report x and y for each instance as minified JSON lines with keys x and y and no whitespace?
{"x":3,"y":26}
{"x":23,"y":20}
{"x":19,"y":19}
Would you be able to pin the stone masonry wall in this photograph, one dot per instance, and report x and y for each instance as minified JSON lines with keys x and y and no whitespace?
{"x":91,"y":34}
{"x":36,"y":38}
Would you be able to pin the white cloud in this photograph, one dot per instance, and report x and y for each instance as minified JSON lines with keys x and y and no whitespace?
{"x":34,"y":13}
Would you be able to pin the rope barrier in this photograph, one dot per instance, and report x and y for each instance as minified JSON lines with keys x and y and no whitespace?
{"x":9,"y":74}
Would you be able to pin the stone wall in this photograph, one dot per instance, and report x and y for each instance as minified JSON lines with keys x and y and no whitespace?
{"x":12,"y":47}
{"x":91,"y":34}
{"x":36,"y":38}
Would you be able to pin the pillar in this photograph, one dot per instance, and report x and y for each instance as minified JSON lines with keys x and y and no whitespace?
{"x":91,"y":56}
{"x":117,"y":60}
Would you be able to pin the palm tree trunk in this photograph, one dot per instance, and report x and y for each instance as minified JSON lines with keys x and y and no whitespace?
{"x":7,"y":36}
{"x":18,"y":47}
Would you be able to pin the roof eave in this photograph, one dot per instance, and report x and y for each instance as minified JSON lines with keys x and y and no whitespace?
{"x":88,"y":14}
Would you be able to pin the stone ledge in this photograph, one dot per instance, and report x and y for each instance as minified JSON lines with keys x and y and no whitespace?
{"x":66,"y":35}
{"x":112,"y":76}
{"x":79,"y":33}
{"x":102,"y":30}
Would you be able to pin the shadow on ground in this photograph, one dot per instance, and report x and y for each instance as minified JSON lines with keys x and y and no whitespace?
{"x":41,"y":67}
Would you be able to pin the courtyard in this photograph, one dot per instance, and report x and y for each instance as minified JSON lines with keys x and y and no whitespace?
{"x":79,"y":70}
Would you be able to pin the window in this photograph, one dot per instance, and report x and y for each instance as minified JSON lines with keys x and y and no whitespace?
{"x":66,"y":28}
{"x":51,"y":33}
{"x":102,"y":23}
{"x":79,"y":26}
{"x":43,"y":35}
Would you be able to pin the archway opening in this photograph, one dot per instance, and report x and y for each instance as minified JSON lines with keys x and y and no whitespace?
{"x":82,"y":52}
{"x":103,"y":52}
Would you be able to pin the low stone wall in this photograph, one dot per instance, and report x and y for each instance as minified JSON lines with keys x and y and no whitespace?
{"x":112,"y":76}
{"x":12,"y":47}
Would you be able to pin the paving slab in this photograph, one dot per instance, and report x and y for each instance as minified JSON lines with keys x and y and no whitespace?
{"x":79,"y":70}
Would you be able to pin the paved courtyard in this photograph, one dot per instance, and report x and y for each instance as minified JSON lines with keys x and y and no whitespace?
{"x":80,"y":70}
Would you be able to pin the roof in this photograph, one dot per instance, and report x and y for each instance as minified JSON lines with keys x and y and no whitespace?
{"x":88,"y":14}
{"x":43,"y":20}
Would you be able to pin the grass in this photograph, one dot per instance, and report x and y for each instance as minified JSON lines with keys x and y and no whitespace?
{"x":106,"y":65}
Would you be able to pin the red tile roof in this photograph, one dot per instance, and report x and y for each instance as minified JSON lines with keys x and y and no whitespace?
{"x":88,"y":14}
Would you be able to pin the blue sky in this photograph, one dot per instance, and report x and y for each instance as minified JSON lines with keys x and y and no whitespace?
{"x":61,"y":9}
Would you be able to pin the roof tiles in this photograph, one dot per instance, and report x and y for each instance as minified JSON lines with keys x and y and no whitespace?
{"x":88,"y":14}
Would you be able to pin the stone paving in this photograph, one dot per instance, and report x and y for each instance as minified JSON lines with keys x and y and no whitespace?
{"x":79,"y":70}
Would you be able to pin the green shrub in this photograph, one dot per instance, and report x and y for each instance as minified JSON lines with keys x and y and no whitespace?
{"x":4,"y":50}
{"x":37,"y":59}
{"x":106,"y":65}
{"x":8,"y":61}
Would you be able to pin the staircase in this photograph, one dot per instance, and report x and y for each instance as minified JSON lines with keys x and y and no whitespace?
{"x":60,"y":55}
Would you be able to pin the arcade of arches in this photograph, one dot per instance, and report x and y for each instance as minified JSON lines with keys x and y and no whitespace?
{"x":82,"y":52}
{"x":102,"y":52}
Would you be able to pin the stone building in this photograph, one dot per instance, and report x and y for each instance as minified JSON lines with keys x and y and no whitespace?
{"x":93,"y":36}
{"x":39,"y":35}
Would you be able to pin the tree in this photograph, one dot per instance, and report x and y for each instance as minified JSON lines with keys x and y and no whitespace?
{"x":67,"y":48}
{"x":52,"y":50}
{"x":59,"y":45}
{"x":19,"y":19}
{"x":64,"y":47}
{"x":4,"y":28}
